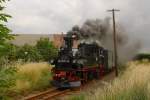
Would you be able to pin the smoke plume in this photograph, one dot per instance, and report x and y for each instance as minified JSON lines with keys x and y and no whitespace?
{"x":101,"y":32}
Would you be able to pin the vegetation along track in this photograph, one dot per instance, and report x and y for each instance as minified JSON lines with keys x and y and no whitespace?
{"x":47,"y":95}
{"x":55,"y":92}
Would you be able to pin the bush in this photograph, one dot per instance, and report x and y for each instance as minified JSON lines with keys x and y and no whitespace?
{"x":142,"y":56}
{"x":9,"y":54}
{"x":28,"y":53}
{"x":12,"y":52}
{"x":46,"y":49}
{"x":7,"y":80}
{"x":3,"y":62}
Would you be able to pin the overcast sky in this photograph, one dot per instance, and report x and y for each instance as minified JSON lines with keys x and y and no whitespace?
{"x":55,"y":16}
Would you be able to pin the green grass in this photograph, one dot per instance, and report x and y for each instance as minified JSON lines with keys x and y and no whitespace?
{"x":7,"y":80}
{"x":78,"y":97}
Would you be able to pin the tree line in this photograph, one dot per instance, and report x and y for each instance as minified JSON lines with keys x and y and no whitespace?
{"x":44,"y":50}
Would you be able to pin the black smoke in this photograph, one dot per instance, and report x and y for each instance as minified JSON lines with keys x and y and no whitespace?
{"x":101,"y":32}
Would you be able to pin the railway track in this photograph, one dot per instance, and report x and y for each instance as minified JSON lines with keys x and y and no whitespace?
{"x":47,"y":95}
{"x":51,"y":94}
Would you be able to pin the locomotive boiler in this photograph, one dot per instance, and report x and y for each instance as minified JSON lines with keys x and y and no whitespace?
{"x":74,"y":67}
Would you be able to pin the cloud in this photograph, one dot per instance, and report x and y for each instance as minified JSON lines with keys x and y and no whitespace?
{"x":55,"y":16}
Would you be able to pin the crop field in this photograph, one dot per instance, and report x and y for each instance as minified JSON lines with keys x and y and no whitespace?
{"x":134,"y":84}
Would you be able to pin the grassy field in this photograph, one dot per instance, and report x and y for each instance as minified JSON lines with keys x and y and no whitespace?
{"x":22,"y":79}
{"x":19,"y":79}
{"x":134,"y":84}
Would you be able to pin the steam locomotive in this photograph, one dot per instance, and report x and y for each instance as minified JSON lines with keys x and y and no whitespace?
{"x":75,"y":67}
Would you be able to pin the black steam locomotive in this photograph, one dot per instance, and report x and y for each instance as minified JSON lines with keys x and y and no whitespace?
{"x":74,"y":67}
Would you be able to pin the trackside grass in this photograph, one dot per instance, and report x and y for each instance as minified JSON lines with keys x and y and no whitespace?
{"x":32,"y":76}
{"x":22,"y":79}
{"x":134,"y":84}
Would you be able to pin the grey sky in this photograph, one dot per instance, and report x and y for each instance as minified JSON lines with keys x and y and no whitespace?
{"x":55,"y":16}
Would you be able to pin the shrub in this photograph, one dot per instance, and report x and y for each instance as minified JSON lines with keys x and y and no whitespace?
{"x":3,"y":62}
{"x":142,"y":56}
{"x":7,"y":79}
{"x":11,"y":52}
{"x":28,"y":53}
{"x":46,"y":49}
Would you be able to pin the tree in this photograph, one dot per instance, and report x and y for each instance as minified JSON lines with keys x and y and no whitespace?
{"x":11,"y":52}
{"x":28,"y":53}
{"x":4,"y":31}
{"x":46,"y":49}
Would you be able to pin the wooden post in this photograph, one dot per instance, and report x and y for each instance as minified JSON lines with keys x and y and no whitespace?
{"x":115,"y":40}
